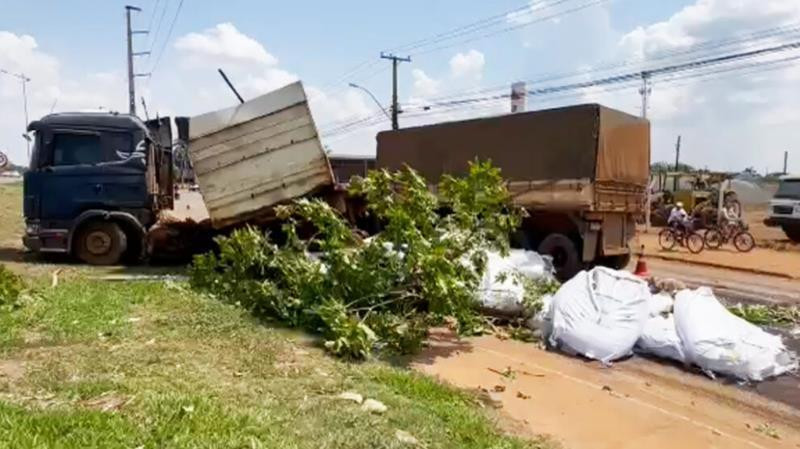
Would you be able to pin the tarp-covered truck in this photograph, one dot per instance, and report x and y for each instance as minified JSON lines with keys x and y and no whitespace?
{"x":581,"y":172}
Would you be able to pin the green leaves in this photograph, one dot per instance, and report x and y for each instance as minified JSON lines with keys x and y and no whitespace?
{"x":383,"y":292}
{"x":10,"y":286}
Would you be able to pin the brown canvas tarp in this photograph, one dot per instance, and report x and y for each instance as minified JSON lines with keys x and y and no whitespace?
{"x":541,"y":145}
{"x":621,"y":155}
{"x":579,"y":142}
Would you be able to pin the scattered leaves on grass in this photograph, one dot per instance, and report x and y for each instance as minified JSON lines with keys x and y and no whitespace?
{"x":406,"y":438}
{"x":768,"y":315}
{"x":11,"y":287}
{"x":374,"y":406}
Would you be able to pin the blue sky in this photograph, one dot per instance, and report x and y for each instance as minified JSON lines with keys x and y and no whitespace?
{"x":79,"y":54}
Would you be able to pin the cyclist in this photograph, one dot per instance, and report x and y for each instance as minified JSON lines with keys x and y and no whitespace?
{"x":678,"y":218}
{"x":729,"y":220}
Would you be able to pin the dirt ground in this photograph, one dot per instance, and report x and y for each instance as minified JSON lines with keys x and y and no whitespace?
{"x":767,"y":237}
{"x":783,"y":263}
{"x":633,"y":404}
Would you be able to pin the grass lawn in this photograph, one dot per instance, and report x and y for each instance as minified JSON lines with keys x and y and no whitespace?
{"x":93,"y":364}
{"x":89,"y":364}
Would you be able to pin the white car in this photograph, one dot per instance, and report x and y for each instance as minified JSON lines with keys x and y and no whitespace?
{"x":784,"y":208}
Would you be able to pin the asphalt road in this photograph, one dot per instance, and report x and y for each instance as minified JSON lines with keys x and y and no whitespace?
{"x":738,"y":286}
{"x":733,"y":285}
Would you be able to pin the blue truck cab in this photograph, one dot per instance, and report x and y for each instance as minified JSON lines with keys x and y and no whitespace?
{"x":96,"y":184}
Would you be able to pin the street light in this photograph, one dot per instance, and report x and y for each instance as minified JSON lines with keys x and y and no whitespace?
{"x":373,"y":99}
{"x":24,"y":79}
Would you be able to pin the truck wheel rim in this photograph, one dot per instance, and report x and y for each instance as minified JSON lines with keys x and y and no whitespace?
{"x":98,"y":243}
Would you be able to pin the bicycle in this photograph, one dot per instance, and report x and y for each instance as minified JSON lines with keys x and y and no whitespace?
{"x":669,"y":237}
{"x":742,"y":240}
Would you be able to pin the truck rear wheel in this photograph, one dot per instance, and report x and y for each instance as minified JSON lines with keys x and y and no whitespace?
{"x":565,"y":256}
{"x":101,"y":243}
{"x":793,"y":232}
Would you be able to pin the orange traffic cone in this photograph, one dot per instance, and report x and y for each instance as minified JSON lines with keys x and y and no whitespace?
{"x":641,"y":266}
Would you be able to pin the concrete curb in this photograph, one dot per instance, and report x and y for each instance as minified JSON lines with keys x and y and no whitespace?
{"x":722,"y":266}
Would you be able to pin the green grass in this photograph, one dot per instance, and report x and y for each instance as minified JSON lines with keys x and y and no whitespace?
{"x":154,"y":365}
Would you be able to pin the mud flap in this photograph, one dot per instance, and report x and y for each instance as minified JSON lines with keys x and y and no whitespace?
{"x":590,"y":239}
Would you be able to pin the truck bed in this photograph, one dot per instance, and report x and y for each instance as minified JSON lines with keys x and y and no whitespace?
{"x":259,"y":154}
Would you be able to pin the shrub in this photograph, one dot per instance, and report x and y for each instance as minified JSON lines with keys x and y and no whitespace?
{"x":383,"y":292}
{"x":10,"y":286}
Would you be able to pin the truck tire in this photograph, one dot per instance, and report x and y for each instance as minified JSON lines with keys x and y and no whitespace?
{"x":564,"y":252}
{"x":793,"y":232}
{"x":101,"y":243}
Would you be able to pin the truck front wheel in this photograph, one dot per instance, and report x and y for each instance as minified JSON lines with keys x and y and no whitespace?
{"x":101,"y":243}
{"x":564,"y":252}
{"x":793,"y":232}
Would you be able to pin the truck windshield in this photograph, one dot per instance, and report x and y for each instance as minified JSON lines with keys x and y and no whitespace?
{"x":789,"y":189}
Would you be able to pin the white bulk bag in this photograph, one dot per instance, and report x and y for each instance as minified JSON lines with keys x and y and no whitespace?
{"x":720,"y":342}
{"x":600,"y":313}
{"x":500,"y":292}
{"x":660,"y":303}
{"x":660,"y":338}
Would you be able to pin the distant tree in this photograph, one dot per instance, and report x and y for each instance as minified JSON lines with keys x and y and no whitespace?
{"x":670,"y":167}
{"x":16,"y":168}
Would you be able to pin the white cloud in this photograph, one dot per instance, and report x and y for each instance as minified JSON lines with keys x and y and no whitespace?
{"x":468,"y":65}
{"x":424,"y":85}
{"x":48,"y":89}
{"x":222,"y":42}
{"x":730,"y":120}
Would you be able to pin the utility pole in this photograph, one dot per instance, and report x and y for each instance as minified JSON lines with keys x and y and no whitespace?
{"x":677,"y":164}
{"x":395,"y":109}
{"x":131,"y":74}
{"x":645,"y":92}
{"x":785,"y":162}
{"x":24,"y":80}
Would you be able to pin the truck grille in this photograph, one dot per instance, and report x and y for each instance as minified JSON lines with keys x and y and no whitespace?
{"x":782,"y":210}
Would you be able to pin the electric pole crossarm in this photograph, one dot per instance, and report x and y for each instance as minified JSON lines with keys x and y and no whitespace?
{"x":395,"y":108}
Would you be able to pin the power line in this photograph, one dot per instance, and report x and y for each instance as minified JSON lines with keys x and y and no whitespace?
{"x":513,"y":27}
{"x":154,"y":35}
{"x":488,"y":22}
{"x":626,"y":81}
{"x":479,"y":25}
{"x":153,"y":15}
{"x":166,"y":40}
{"x":696,"y":50}
{"x":637,"y":75}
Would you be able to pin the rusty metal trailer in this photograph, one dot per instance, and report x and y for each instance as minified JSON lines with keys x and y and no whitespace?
{"x":580,"y":171}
